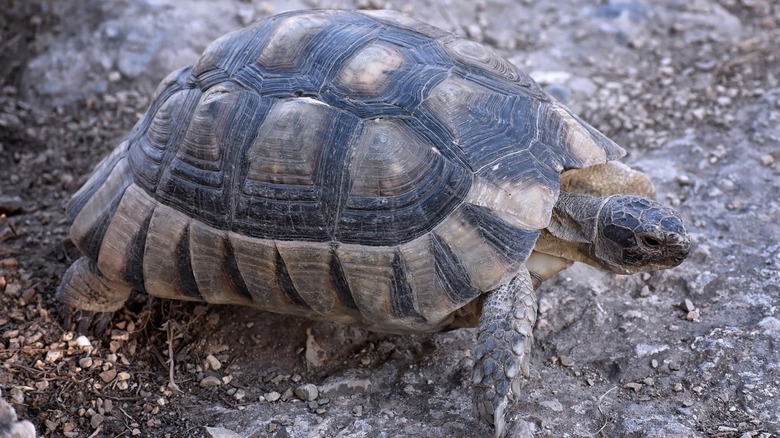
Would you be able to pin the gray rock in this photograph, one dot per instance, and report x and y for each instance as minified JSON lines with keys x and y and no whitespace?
{"x":221,"y":432}
{"x":341,"y":387}
{"x":11,"y":426}
{"x":307,"y":392}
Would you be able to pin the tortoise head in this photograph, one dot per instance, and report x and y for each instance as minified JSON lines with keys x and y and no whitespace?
{"x":636,"y":234}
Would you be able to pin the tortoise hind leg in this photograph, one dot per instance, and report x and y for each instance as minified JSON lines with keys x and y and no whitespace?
{"x":88,"y":299}
{"x":503,"y":350}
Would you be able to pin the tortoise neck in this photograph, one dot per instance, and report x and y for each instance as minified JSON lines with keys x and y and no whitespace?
{"x":575,"y":217}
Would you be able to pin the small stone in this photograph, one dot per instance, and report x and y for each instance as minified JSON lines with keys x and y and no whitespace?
{"x":357,"y":410}
{"x":123,"y":376}
{"x":566,"y":361}
{"x":315,"y":354}
{"x":553,"y":405}
{"x":345,"y":387}
{"x":693,"y":315}
{"x":678,"y":387}
{"x":12,"y":289}
{"x":9,"y":263}
{"x":239,"y":394}
{"x":688,"y":305}
{"x":767,"y":160}
{"x":83,"y":342}
{"x":212,"y":362}
{"x":272,"y":396}
{"x":210,"y":382}
{"x":96,"y":421}
{"x":54,"y":355}
{"x":220,"y":432}
{"x":307,"y":392}
{"x":108,"y":376}
{"x":636,"y":387}
{"x":10,"y":205}
{"x":85,"y":362}
{"x":287,"y":395}
{"x":246,"y":15}
{"x":683,"y":180}
{"x":674,"y":366}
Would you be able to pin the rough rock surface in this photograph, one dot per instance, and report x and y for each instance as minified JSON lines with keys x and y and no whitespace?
{"x":690,"y":88}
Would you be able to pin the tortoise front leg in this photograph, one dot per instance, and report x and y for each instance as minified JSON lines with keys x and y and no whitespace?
{"x":88,"y":299}
{"x":503,"y":348}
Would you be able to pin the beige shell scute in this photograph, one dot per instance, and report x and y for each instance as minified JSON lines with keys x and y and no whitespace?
{"x":283,"y":48}
{"x":133,"y":210}
{"x":525,"y":204}
{"x":367,"y":72}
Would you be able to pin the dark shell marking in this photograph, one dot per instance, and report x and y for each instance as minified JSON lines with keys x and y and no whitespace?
{"x":359,"y":167}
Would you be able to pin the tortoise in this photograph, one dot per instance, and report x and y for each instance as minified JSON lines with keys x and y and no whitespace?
{"x":368,"y":169}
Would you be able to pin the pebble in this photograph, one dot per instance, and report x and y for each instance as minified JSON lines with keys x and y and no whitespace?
{"x":83,"y":342}
{"x":315,"y":354}
{"x":54,"y":355}
{"x":272,"y":396}
{"x":767,"y":160}
{"x":553,"y":405}
{"x":693,"y":315}
{"x":683,"y":180}
{"x":636,"y":387}
{"x":108,"y":376}
{"x":345,"y":387}
{"x":12,"y":289}
{"x":566,"y":361}
{"x":220,"y":432}
{"x":11,"y":426}
{"x":307,"y":392}
{"x":96,"y":420}
{"x":212,"y":362}
{"x":210,"y":382}
{"x":10,"y":205}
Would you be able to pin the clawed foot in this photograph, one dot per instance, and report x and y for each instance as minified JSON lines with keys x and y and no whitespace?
{"x":84,"y":321}
{"x":87,"y":300}
{"x":497,"y":370}
{"x":502,"y":355}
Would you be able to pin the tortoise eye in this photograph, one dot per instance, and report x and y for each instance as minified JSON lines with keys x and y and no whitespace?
{"x":651,"y":241}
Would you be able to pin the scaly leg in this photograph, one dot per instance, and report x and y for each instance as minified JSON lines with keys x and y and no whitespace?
{"x":503,"y":348}
{"x":88,"y":299}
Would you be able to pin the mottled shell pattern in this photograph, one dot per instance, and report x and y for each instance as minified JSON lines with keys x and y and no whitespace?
{"x":359,"y":167}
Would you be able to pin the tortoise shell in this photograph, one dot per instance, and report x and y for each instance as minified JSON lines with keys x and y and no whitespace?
{"x":360,"y":167}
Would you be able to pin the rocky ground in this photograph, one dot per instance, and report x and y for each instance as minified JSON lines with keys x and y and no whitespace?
{"x":690,"y":88}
